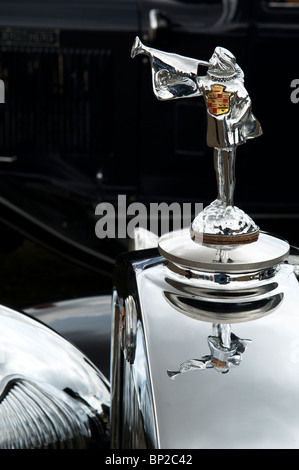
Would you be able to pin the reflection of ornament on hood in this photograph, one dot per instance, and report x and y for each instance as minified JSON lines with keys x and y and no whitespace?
{"x":226,"y":352}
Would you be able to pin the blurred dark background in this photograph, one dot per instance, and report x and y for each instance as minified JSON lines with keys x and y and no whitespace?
{"x":80,"y":125}
{"x":33,"y":275}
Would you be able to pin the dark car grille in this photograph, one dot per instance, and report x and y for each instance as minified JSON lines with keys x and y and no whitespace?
{"x":57,"y":101}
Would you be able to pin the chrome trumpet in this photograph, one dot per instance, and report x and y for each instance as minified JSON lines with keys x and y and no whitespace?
{"x":174,"y":76}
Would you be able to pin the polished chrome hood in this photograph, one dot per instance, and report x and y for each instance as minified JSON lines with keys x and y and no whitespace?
{"x":232,"y":343}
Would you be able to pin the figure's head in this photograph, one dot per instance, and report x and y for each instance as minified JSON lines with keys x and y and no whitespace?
{"x":223,"y":65}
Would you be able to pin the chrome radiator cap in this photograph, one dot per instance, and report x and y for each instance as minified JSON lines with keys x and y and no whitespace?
{"x":262,"y":254}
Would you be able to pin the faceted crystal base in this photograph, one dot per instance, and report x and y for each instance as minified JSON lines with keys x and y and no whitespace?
{"x":219,"y":224}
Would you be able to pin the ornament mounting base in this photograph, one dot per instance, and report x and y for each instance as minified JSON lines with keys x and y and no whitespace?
{"x":224,"y":240}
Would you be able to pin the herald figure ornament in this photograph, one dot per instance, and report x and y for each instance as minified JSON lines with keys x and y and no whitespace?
{"x":230,"y":123}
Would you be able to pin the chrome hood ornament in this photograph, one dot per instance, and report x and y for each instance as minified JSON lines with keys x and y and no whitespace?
{"x":230,"y":123}
{"x":228,"y":277}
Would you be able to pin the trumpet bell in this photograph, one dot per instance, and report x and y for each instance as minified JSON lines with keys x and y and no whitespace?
{"x":137,"y":47}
